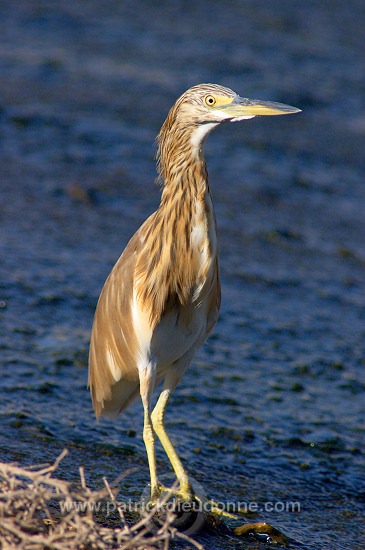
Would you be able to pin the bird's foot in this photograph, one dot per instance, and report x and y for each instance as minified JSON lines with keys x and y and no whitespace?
{"x":184,"y":494}
{"x":218,"y":511}
{"x":157,"y":494}
{"x":184,"y":505}
{"x":161,"y":492}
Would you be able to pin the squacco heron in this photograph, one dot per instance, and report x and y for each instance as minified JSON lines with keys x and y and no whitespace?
{"x":161,"y":299}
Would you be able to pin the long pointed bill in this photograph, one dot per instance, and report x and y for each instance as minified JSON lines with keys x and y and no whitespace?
{"x":242,"y":108}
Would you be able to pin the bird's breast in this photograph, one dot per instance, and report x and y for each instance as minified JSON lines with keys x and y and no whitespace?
{"x":184,"y":282}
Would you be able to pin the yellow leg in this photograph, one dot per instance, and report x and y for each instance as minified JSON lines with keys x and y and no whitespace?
{"x":147,"y":381}
{"x":149,"y":441}
{"x":157,"y":418}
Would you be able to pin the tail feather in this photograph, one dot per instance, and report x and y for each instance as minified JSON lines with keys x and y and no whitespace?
{"x":124,"y":393}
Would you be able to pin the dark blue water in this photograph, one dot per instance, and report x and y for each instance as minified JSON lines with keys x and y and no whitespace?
{"x":272,"y":408}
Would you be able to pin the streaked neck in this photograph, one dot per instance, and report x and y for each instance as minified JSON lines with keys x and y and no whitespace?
{"x":181,"y":163}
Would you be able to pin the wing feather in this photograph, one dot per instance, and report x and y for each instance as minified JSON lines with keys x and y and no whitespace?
{"x":114,"y":346}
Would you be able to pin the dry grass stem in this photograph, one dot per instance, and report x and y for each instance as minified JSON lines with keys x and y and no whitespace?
{"x":40,"y":511}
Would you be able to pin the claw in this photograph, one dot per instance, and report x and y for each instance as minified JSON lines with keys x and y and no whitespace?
{"x":157,"y":493}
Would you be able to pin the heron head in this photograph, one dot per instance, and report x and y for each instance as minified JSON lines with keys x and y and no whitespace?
{"x":211,"y":103}
{"x":202,"y":108}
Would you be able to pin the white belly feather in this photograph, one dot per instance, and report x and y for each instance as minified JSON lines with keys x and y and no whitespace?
{"x":172,"y":339}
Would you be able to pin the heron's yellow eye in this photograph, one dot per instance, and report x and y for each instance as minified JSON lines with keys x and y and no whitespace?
{"x":210,"y":100}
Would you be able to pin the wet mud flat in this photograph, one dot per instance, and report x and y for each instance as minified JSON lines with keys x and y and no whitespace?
{"x":271,"y":410}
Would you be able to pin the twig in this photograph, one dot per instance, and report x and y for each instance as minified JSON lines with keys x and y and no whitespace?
{"x":38,"y":510}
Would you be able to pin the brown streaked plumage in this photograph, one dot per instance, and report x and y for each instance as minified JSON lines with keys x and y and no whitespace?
{"x":161,"y":299}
